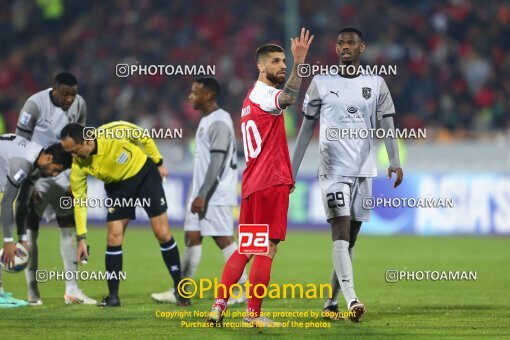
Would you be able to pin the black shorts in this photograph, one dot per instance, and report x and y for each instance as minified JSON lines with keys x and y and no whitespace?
{"x":145,"y":189}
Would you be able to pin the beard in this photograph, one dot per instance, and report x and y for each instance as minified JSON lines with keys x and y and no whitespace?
{"x":275,"y":79}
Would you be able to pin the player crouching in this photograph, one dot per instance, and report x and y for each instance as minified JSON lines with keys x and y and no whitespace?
{"x":132,"y":168}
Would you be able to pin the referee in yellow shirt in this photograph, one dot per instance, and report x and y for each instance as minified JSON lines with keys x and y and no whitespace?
{"x":132,"y":169}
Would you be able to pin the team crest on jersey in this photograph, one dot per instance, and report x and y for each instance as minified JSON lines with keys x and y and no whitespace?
{"x":366,"y":92}
{"x":123,"y":158}
{"x":352,"y":109}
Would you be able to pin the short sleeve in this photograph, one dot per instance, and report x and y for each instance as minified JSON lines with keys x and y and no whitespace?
{"x":19,"y":171}
{"x":27,"y":119}
{"x":266,"y":97}
{"x":219,"y":136}
{"x":312,"y":102}
{"x":385,"y":105}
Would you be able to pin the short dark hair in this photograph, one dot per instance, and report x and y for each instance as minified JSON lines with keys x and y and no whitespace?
{"x":350,"y":29}
{"x":210,"y":84}
{"x":59,"y":155}
{"x":73,"y":131}
{"x":66,"y":78}
{"x":264,"y":50}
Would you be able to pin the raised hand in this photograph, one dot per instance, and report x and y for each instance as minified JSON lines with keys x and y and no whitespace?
{"x":299,"y":46}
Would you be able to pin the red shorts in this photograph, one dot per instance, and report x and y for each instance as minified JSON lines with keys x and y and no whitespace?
{"x":268,"y":206}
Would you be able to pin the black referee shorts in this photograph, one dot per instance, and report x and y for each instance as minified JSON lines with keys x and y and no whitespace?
{"x":145,"y":188}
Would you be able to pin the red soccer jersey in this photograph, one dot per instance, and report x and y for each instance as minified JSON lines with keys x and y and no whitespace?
{"x":265,"y":144}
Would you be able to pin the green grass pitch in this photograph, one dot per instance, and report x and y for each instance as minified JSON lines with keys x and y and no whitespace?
{"x":403,"y":309}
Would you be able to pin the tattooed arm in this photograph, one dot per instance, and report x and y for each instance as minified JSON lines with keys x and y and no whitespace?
{"x":299,"y":47}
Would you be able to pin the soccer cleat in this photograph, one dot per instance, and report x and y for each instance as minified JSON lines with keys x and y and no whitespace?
{"x":77,"y":296}
{"x":7,"y":301}
{"x":215,"y":316}
{"x":165,"y":297}
{"x":34,"y":298}
{"x":358,"y":308}
{"x":332,"y":313}
{"x":262,"y":322}
{"x":110,"y":301}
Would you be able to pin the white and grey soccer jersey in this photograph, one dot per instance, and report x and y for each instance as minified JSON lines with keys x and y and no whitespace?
{"x":41,"y":121}
{"x":18,"y":157}
{"x":345,"y":104}
{"x":215,"y":135}
{"x":215,"y":131}
{"x":347,"y":162}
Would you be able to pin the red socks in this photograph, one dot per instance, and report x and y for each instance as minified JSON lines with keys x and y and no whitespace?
{"x":232,"y":273}
{"x":260,"y":273}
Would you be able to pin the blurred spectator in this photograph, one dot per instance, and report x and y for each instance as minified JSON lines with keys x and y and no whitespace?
{"x":453,"y":57}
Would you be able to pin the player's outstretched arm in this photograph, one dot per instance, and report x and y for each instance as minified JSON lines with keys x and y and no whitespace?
{"x":299,"y":48}
{"x":303,"y":139}
{"x":392,"y":150}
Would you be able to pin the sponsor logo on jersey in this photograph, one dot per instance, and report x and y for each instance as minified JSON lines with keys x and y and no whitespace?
{"x":200,"y":132}
{"x":366,"y":92}
{"x":335,"y":93}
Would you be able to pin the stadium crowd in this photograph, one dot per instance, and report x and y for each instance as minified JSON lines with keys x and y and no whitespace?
{"x":452,"y":57}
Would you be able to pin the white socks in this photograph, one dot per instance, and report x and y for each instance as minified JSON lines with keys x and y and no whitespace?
{"x":335,"y":285}
{"x":343,"y":267}
{"x":192,"y":256}
{"x":68,"y":249}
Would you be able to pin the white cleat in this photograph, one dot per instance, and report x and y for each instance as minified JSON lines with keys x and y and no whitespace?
{"x":262,"y":322}
{"x":34,"y":298}
{"x":37,"y":302}
{"x":165,"y":297}
{"x":77,"y":296}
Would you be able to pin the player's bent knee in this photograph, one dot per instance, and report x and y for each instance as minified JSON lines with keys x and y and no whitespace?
{"x":114,"y":239}
{"x":192,"y":238}
{"x":273,"y":248}
{"x":163,"y":235}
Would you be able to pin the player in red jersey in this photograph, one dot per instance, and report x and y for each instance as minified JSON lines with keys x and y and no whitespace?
{"x":267,"y":179}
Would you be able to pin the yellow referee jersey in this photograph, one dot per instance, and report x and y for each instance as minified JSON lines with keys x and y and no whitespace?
{"x":122,"y":150}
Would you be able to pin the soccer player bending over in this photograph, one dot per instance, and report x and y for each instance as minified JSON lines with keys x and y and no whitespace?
{"x":21,"y":162}
{"x":353,"y":102}
{"x":129,"y":172}
{"x":41,"y":119}
{"x":213,"y":196}
{"x":267,"y":179}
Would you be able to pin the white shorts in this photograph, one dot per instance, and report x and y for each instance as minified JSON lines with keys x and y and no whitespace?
{"x":343,"y":196}
{"x":218,"y":221}
{"x":50,"y":190}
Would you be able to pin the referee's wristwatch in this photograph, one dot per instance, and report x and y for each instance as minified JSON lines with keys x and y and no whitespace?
{"x":81,"y":237}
